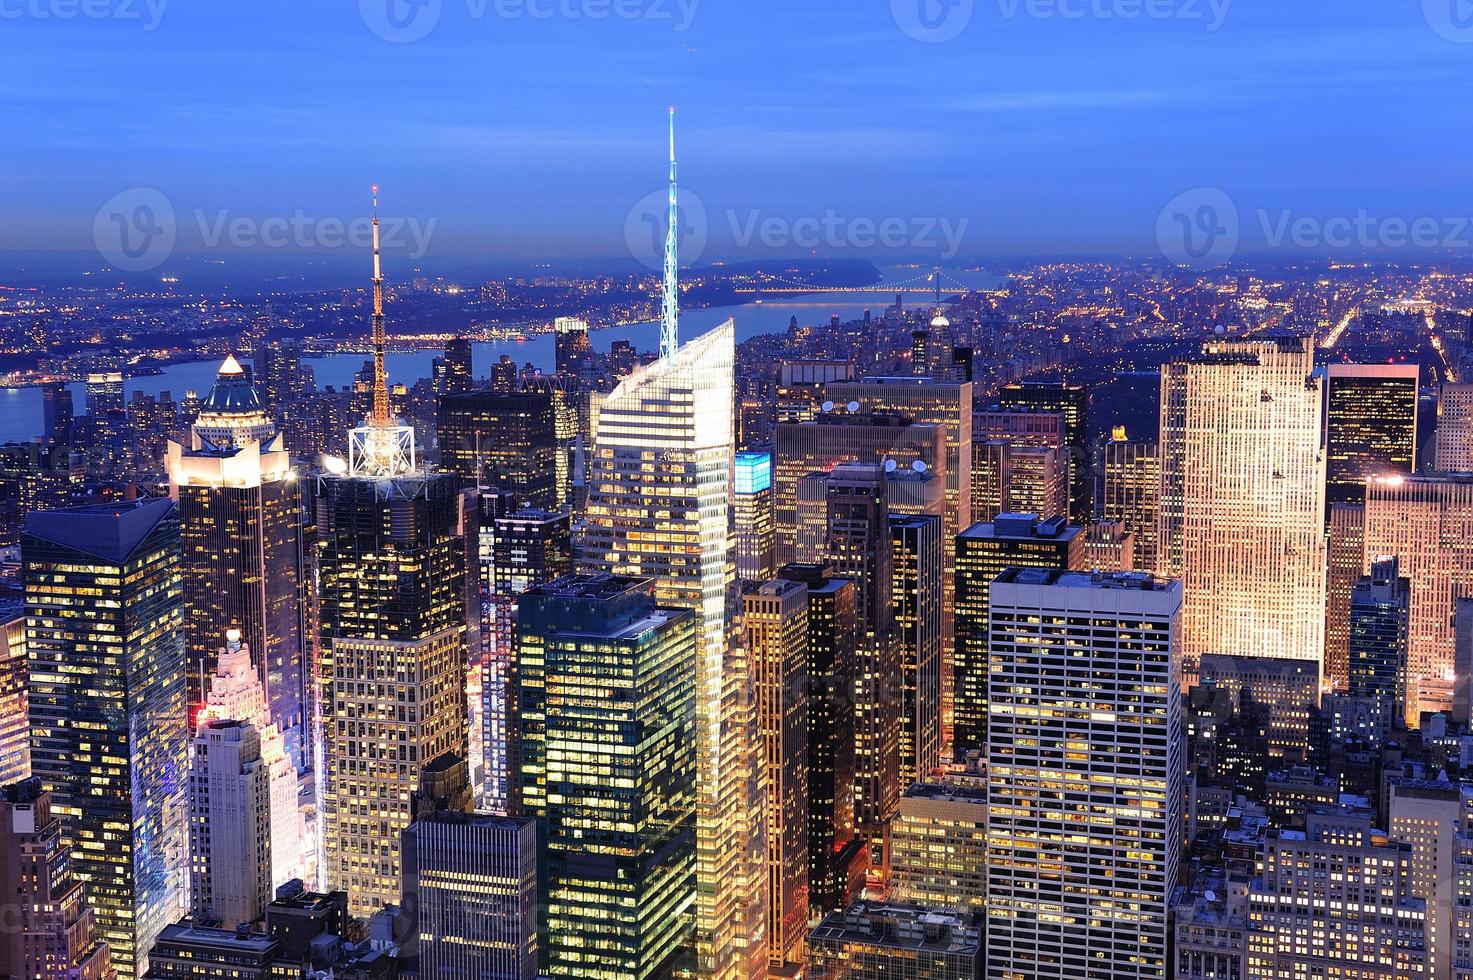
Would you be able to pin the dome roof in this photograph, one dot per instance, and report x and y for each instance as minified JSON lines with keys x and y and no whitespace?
{"x":232,"y":393}
{"x":940,"y":321}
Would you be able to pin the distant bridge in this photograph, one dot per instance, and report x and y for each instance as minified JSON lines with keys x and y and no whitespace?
{"x":933,"y":280}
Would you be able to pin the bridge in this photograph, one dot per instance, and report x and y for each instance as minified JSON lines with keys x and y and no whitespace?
{"x":933,"y":280}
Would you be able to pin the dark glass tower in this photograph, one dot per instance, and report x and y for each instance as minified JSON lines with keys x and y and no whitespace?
{"x":505,"y":440}
{"x":1380,"y":614}
{"x":1072,"y":402}
{"x":1370,"y":427}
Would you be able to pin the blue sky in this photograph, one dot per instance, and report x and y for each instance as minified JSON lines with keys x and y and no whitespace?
{"x":528,"y":137}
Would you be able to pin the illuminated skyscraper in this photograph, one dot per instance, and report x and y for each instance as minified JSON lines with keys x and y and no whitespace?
{"x":1086,"y":774}
{"x":572,"y":346}
{"x":756,"y":546}
{"x":459,"y":373}
{"x":1380,"y":621}
{"x":939,"y":844}
{"x":1427,"y":523}
{"x":106,"y":647}
{"x":1370,"y":426}
{"x":1072,"y":402}
{"x":1020,"y":464}
{"x":1243,"y":498}
{"x":51,"y":932}
{"x":983,"y":552}
{"x":229,"y":824}
{"x":15,"y":726}
{"x":240,"y":530}
{"x":916,"y":600}
{"x":775,"y":623}
{"x":1346,"y":563}
{"x":1429,"y":815}
{"x":1454,"y":439}
{"x":392,"y":615}
{"x":606,"y":684}
{"x":658,"y":507}
{"x":1133,"y":492}
{"x":505,"y":440}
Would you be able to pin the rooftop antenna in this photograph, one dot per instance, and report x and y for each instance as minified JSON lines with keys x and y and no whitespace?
{"x":670,"y":306}
{"x":380,"y":417}
{"x":937,"y":277}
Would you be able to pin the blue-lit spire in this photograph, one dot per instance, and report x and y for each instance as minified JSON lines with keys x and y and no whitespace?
{"x":670,"y":307}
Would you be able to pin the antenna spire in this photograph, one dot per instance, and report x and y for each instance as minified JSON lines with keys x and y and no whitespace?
{"x":670,"y":305}
{"x":380,"y":417}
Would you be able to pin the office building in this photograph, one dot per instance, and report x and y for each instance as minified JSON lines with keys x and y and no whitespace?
{"x":1109,"y":547}
{"x":801,"y":384}
{"x":51,"y":931}
{"x":752,"y":505}
{"x":1020,"y":464}
{"x":1335,"y":893}
{"x":1370,"y":426}
{"x":459,"y":372}
{"x":572,"y":347}
{"x":1347,"y":547}
{"x":104,"y":393}
{"x":983,"y":552}
{"x":869,"y":941}
{"x":775,"y":622}
{"x":15,"y":726}
{"x":1380,"y":621}
{"x":1072,"y":402}
{"x":607,"y":690}
{"x":1429,"y":816}
{"x":1288,"y":689}
{"x":1242,"y":498}
{"x":665,"y":435}
{"x":1133,"y":492}
{"x":189,"y":950}
{"x":106,"y":647}
{"x":240,"y":530}
{"x":1086,"y":774}
{"x":505,"y":440}
{"x":836,"y":854}
{"x":1427,"y":523}
{"x":916,"y":575}
{"x":939,"y":845}
{"x":229,"y":825}
{"x":469,"y":893}
{"x":1454,"y":438}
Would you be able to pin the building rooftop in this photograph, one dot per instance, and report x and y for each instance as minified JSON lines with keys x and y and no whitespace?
{"x":947,"y":792}
{"x":1137,"y":581}
{"x":1023,"y":527}
{"x":901,"y":926}
{"x":108,"y":531}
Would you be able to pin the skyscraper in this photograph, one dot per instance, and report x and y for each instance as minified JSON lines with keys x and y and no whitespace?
{"x":571,"y":344}
{"x":1380,"y":621}
{"x":1086,"y":774}
{"x":105,"y":618}
{"x":916,"y":600}
{"x":51,"y":931}
{"x":15,"y":727}
{"x":1427,"y":523}
{"x":940,"y":845}
{"x":470,"y":889}
{"x":607,"y":688}
{"x":392,"y":614}
{"x":240,"y":530}
{"x":1429,"y":815}
{"x":659,"y":491}
{"x":1370,"y":426}
{"x":459,"y":373}
{"x":229,"y":825}
{"x":1243,"y":498}
{"x":1346,"y":565}
{"x":1454,"y":439}
{"x":1020,"y":463}
{"x":775,"y":622}
{"x":1133,"y":492}
{"x":1072,"y":402}
{"x":505,"y":440}
{"x":756,"y":544}
{"x":983,"y":552}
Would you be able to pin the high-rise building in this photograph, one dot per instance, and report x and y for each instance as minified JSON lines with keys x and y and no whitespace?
{"x":1242,"y":498}
{"x":241,"y":535}
{"x":1429,"y":815}
{"x":1309,"y":921}
{"x":50,"y":931}
{"x":1072,"y":402}
{"x":983,"y":552}
{"x":505,"y":440}
{"x":607,"y":691}
{"x":1085,"y":774}
{"x":1346,"y":561}
{"x":104,"y":391}
{"x":817,"y":446}
{"x":1380,"y":622}
{"x":834,"y":850}
{"x":15,"y":726}
{"x":658,"y":507}
{"x":1427,"y":523}
{"x":572,"y":347}
{"x":1109,"y":547}
{"x":1370,"y":426}
{"x":106,"y":647}
{"x":1288,"y":689}
{"x":235,"y":694}
{"x":229,"y":825}
{"x":57,"y":411}
{"x":756,"y":544}
{"x":459,"y":373}
{"x":800,"y":387}
{"x":470,"y":894}
{"x":775,"y":622}
{"x":876,"y":942}
{"x":1133,"y":492}
{"x":916,"y":598}
{"x":939,"y":845}
{"x":1454,"y":438}
{"x":1020,"y":463}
